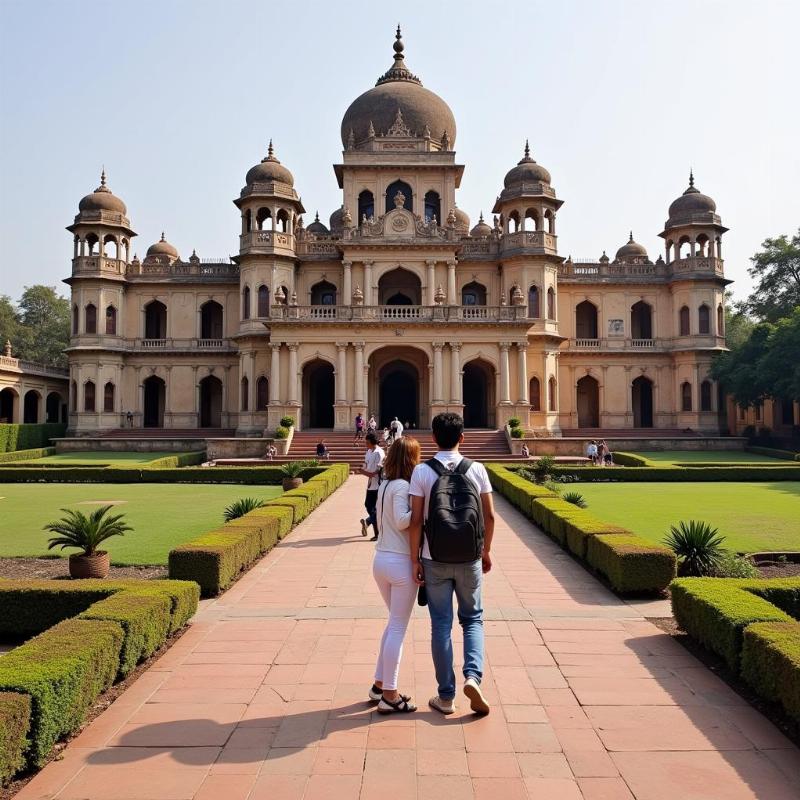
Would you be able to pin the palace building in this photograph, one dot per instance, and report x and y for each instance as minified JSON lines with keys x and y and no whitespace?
{"x":399,"y":306}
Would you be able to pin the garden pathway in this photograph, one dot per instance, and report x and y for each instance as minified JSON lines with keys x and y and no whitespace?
{"x":263,"y":697}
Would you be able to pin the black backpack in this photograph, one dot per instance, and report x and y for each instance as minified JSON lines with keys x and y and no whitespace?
{"x":454,"y":525}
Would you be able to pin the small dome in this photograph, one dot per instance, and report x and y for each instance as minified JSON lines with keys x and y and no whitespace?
{"x":692,"y":201}
{"x":526,"y":171}
{"x":336,"y":222}
{"x":481,"y":229}
{"x":317,"y":227}
{"x":102,"y":199}
{"x":162,"y":248}
{"x":269,"y":170}
{"x":631,"y":250}
{"x":462,"y":219}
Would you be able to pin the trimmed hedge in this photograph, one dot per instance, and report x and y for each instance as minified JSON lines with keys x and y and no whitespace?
{"x":216,"y":558}
{"x":26,"y":455}
{"x":25,"y":436}
{"x":632,"y":460}
{"x":63,"y":671}
{"x":15,"y":722}
{"x":752,"y":624}
{"x":788,"y":455}
{"x":694,"y":473}
{"x":629,"y":563}
{"x":191,"y":459}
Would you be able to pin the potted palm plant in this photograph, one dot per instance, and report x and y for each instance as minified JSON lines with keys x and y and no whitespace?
{"x":291,"y":475}
{"x":86,"y":532}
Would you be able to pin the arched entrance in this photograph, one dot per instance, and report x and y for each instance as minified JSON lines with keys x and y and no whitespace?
{"x":155,"y":392}
{"x":30,"y":412}
{"x":399,"y":287}
{"x":642,"y":402}
{"x":8,"y":400}
{"x":319,"y":394}
{"x":211,"y":402}
{"x":588,"y":402}
{"x":53,"y":407}
{"x":478,"y":393}
{"x":399,"y":393}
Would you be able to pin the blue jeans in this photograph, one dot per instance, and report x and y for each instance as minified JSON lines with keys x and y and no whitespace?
{"x":441,"y":582}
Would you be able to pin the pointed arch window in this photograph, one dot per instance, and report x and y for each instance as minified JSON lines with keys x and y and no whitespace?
{"x":535,"y":392}
{"x":88,"y":396}
{"x":551,"y":303}
{"x":111,"y":321}
{"x":262,"y":393}
{"x":245,"y":393}
{"x":686,"y":396}
{"x":91,"y":318}
{"x":108,"y":397}
{"x":704,"y":319}
{"x":534,"y":311}
{"x":404,"y":189}
{"x":683,"y":321}
{"x":705,"y":396}
{"x":551,"y":394}
{"x":246,"y":302}
{"x":263,"y":301}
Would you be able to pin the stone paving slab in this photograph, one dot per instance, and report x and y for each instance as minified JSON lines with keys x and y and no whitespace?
{"x":263,"y":696}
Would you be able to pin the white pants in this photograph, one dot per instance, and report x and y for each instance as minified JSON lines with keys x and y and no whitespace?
{"x":392,"y":573}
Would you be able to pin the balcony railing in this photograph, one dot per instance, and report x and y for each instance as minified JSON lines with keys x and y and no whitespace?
{"x":468,"y":314}
{"x":181,"y":344}
{"x":617,"y":343}
{"x":528,"y":240}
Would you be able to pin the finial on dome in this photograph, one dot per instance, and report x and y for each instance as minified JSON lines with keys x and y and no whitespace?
{"x":270,"y":150}
{"x":527,"y":149}
{"x":316,"y":218}
{"x":103,"y":176}
{"x":163,"y":238}
{"x":398,"y":71}
{"x":691,"y":178}
{"x":630,"y":240}
{"x":480,"y":218}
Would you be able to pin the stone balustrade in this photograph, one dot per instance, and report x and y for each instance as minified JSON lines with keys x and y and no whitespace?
{"x":461,"y":314}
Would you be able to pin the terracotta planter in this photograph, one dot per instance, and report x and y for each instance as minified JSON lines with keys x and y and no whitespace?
{"x":291,"y":483}
{"x":94,"y":566}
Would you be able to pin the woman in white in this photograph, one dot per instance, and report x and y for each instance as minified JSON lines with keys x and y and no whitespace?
{"x":392,"y":572}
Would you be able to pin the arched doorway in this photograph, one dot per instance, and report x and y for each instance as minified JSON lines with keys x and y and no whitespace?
{"x":642,"y":402}
{"x":30,"y":411}
{"x":211,"y":402}
{"x":399,"y":393}
{"x":155,"y":392}
{"x":211,"y":320}
{"x":53,"y":407}
{"x":155,"y":320}
{"x":586,"y":320}
{"x":588,"y":402}
{"x":641,"y":320}
{"x":478,"y":393}
{"x":399,"y":287}
{"x":319,"y":394}
{"x":8,"y":399}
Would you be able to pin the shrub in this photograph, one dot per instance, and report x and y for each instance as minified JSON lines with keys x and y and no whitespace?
{"x":514,"y":422}
{"x":86,"y":533}
{"x":287,"y":422}
{"x":630,"y":563}
{"x":15,"y":712}
{"x":576,"y":498}
{"x":281,"y":432}
{"x":25,"y":436}
{"x":517,"y":433}
{"x":732,"y":565}
{"x":26,"y":455}
{"x":292,"y":469}
{"x":178,"y":460}
{"x":698,"y":546}
{"x":62,"y":670}
{"x":543,"y":466}
{"x":242,"y":506}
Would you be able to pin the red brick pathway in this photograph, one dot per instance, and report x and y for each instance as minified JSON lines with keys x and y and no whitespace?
{"x":263,"y":698}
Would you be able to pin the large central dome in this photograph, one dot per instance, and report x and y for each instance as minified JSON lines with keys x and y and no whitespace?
{"x":422,"y":110}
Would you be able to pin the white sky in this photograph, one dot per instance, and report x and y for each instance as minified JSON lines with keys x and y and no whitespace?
{"x":178,"y":99}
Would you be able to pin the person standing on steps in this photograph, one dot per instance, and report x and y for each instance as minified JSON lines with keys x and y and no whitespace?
{"x":359,"y":434}
{"x":451,"y":531}
{"x":396,"y":427}
{"x":373,"y":461}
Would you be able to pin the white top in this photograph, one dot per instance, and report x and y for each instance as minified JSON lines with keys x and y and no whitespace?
{"x":393,"y":513}
{"x":591,"y":450}
{"x":373,"y":461}
{"x":423,"y":478}
{"x":397,"y":428}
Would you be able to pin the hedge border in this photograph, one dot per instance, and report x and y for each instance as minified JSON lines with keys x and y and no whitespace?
{"x":15,"y":722}
{"x":786,"y":455}
{"x":26,"y":455}
{"x":629,"y":562}
{"x":24,"y":436}
{"x":692,"y":474}
{"x":102,"y":629}
{"x":216,"y":558}
{"x":752,"y":624}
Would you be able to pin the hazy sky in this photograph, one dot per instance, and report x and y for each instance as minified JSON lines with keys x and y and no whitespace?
{"x":178,"y":99}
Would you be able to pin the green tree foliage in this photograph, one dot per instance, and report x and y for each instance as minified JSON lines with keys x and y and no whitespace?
{"x":776,"y":272}
{"x":39,"y":327}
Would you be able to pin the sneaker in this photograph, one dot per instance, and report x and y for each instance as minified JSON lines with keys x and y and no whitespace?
{"x":445,"y":706}
{"x":374,"y":538}
{"x":364,"y":530}
{"x":477,"y":701}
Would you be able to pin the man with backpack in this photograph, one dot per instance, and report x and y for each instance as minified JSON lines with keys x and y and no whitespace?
{"x":452,"y":524}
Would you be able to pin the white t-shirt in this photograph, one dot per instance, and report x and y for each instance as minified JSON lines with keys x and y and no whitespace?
{"x":373,"y":461}
{"x":393,"y":512}
{"x":423,"y":478}
{"x":396,"y":428}
{"x":591,"y":450}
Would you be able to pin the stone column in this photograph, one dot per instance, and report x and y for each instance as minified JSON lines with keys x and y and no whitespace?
{"x":455,"y":372}
{"x":359,"y":381}
{"x":522,"y":372}
{"x":431,"y":290}
{"x":437,"y":372}
{"x":341,"y":373}
{"x":251,"y":383}
{"x":275,"y":375}
{"x":505,"y":387}
{"x":347,"y":283}
{"x":368,"y":284}
{"x":451,"y":283}
{"x":292,"y":394}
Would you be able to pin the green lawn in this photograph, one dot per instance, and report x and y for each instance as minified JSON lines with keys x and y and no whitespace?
{"x":162,"y":516}
{"x":753,"y":516}
{"x":710,"y":456}
{"x":97,"y":459}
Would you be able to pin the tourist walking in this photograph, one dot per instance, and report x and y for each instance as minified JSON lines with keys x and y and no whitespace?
{"x":359,"y":434}
{"x":373,"y":461}
{"x":396,"y":427}
{"x":452,"y":525}
{"x":393,"y":572}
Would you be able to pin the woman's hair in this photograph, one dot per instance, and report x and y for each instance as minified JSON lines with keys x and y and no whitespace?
{"x":401,"y":459}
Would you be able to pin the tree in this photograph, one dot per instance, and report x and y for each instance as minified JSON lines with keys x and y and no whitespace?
{"x":44,"y":324}
{"x":9,"y":324}
{"x":776,"y":272}
{"x":779,"y":369}
{"x":738,"y":326}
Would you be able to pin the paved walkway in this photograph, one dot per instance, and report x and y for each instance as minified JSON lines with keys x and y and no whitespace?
{"x":263,"y":698}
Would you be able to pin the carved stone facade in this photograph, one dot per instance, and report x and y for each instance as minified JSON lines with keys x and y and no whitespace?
{"x":398,"y":307}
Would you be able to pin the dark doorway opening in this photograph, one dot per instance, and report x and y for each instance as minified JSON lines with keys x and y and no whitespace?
{"x":319,"y":394}
{"x":7,"y":397}
{"x":155,"y":392}
{"x":399,"y":393}
{"x":211,"y":402}
{"x":476,"y":395}
{"x":642,"y":402}
{"x":30,"y":413}
{"x":53,"y":407}
{"x":588,"y":402}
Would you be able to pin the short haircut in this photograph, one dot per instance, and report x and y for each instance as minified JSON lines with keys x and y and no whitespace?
{"x":401,"y":459}
{"x":371,"y":438}
{"x":447,"y":429}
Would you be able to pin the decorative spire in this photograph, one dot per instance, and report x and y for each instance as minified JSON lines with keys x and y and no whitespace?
{"x":163,"y":238}
{"x":270,"y":150}
{"x":527,"y":149}
{"x":526,"y":157}
{"x":691,"y":178}
{"x":270,"y":154}
{"x":102,"y":187}
{"x":316,"y":218}
{"x":398,"y":71}
{"x":630,"y":240}
{"x":480,"y":218}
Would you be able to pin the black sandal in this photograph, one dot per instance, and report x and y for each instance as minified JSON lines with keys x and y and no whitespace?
{"x":402,"y":706}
